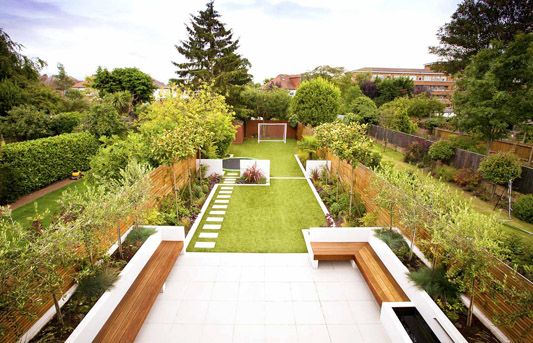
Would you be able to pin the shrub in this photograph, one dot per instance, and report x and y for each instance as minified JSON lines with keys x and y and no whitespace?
{"x":373,"y":160}
{"x":103,"y":120}
{"x":467,"y":178}
{"x":253,"y":174}
{"x":95,"y":281}
{"x":415,"y":153}
{"x":138,"y":235}
{"x":500,"y":168}
{"x":395,"y":241}
{"x":393,"y":115}
{"x":27,"y":166}
{"x":316,"y":102}
{"x":435,"y":283}
{"x":441,"y":151}
{"x":310,"y":145}
{"x":523,"y":208}
{"x":468,"y":143}
{"x":65,"y":122}
{"x":444,"y":172}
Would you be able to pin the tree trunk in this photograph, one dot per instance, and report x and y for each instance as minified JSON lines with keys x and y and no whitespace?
{"x":59,"y":314}
{"x":190,"y":185}
{"x":510,"y":192}
{"x":413,"y":237}
{"x":175,"y":189}
{"x":351,"y":192}
{"x":119,"y":241}
{"x":200,"y":165}
{"x":391,"y":216}
{"x":470,"y":315}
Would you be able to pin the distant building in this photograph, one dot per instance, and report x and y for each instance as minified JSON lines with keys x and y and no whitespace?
{"x":284,"y":81}
{"x":437,"y":84}
{"x":79,"y":85}
{"x":162,"y":90}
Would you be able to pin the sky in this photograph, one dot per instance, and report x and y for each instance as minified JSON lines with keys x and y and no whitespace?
{"x":277,"y":37}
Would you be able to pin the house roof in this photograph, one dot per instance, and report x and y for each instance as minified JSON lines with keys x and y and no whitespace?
{"x":79,"y":84}
{"x":159,"y":84}
{"x":286,"y":81}
{"x":376,"y":70}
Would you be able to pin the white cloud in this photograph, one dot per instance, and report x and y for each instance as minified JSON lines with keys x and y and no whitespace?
{"x":286,"y":36}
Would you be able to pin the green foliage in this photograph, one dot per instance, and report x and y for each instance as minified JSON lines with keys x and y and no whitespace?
{"x":500,"y":168}
{"x":494,"y":92}
{"x":137,"y":83}
{"x":27,"y":166}
{"x":523,"y":208}
{"x":444,"y":172}
{"x":266,"y":103}
{"x":394,"y":115}
{"x":441,"y":151}
{"x":324,"y":71}
{"x":474,"y":26}
{"x":309,"y":145}
{"x":362,"y":110}
{"x":468,"y":143}
{"x":25,"y":122}
{"x":62,"y":80}
{"x":103,"y":120}
{"x":316,"y":102}
{"x":95,"y":281}
{"x":65,"y":122}
{"x":390,"y":89}
{"x":422,"y":106}
{"x":138,"y":235}
{"x":433,"y":122}
{"x":467,"y":178}
{"x":395,"y":241}
{"x":435,"y":283}
{"x":210,"y":51}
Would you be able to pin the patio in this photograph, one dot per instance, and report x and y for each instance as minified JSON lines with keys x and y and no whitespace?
{"x":238,"y":297}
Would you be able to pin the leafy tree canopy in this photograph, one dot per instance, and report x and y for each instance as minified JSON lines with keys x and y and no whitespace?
{"x":494,"y":92}
{"x":140,"y":85}
{"x":394,"y":115}
{"x":325,"y":71}
{"x":316,"y":102}
{"x":423,"y":106}
{"x":475,"y":24}
{"x":390,"y":89}
{"x":362,"y":110}
{"x":211,"y":56}
{"x":266,"y":103}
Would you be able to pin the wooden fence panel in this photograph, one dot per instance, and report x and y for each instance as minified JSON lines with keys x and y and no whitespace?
{"x":161,"y":186}
{"x":496,"y":306}
{"x":303,"y":130}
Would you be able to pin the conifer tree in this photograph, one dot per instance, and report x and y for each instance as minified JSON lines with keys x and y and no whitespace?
{"x":211,"y":56}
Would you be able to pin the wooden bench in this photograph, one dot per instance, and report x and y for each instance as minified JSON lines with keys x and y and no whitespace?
{"x":379,"y":280}
{"x":128,"y":317}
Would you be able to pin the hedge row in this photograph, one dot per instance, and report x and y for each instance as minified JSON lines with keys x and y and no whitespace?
{"x":31,"y":165}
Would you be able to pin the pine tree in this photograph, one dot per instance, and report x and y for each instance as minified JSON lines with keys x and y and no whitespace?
{"x":212,"y":57}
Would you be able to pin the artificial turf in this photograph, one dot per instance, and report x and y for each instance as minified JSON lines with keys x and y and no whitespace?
{"x":266,"y":219}
{"x":281,"y":155}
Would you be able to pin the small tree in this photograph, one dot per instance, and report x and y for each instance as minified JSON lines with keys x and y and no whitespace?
{"x":316,"y":102}
{"x":501,"y":168}
{"x":137,"y":83}
{"x":62,"y":81}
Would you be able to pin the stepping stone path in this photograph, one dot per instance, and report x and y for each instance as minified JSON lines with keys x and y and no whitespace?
{"x":213,"y":223}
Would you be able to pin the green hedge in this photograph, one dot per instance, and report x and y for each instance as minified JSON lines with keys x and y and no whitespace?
{"x":31,"y":165}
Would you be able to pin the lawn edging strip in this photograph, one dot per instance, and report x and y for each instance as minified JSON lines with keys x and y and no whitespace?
{"x":198,"y":219}
{"x":310,"y":183}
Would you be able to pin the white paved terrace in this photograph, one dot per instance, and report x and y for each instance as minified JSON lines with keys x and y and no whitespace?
{"x":237,"y":297}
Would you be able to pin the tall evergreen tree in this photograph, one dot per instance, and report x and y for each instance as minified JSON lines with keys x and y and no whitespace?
{"x":212,"y":57}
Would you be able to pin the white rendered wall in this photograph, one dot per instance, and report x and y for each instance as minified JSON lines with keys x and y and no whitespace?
{"x":93,"y":322}
{"x":214,"y":166}
{"x":319,"y":165}
{"x":263,"y":165}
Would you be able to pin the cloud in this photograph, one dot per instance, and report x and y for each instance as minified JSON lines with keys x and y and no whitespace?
{"x":287,"y":9}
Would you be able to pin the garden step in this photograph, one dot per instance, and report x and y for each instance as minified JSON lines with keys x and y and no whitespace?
{"x":215,"y":219}
{"x":220,"y":206}
{"x":227,"y":187}
{"x":206,"y":245}
{"x":211,"y":227}
{"x":223,"y":201}
{"x":208,"y":235}
{"x":217,"y":213}
{"x":223,"y":196}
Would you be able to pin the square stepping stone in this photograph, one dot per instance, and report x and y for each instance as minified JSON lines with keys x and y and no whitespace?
{"x":206,"y":245}
{"x":217,"y":213}
{"x":215,"y":219}
{"x":223,"y":201}
{"x":223,"y":196}
{"x":208,"y":235}
{"x":211,"y":227}
{"x":220,"y":206}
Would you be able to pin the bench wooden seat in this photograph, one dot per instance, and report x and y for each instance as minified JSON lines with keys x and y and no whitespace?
{"x":379,"y":280}
{"x":128,"y":317}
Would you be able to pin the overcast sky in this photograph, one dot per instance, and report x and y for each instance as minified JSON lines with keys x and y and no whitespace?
{"x":290,"y":36}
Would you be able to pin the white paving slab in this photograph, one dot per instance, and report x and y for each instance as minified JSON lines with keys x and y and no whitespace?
{"x":222,"y":201}
{"x":224,"y":196}
{"x":211,"y":227}
{"x":205,"y":245}
{"x":215,"y":219}
{"x":208,"y":235}
{"x":228,"y":182}
{"x":215,"y":303}
{"x":217,"y":213}
{"x":226,"y":187}
{"x":225,"y":192}
{"x":220,"y":206}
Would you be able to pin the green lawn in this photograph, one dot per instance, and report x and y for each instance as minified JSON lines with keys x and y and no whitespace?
{"x":266,"y":219}
{"x":281,"y":155}
{"x":46,"y":202}
{"x":513,"y":226}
